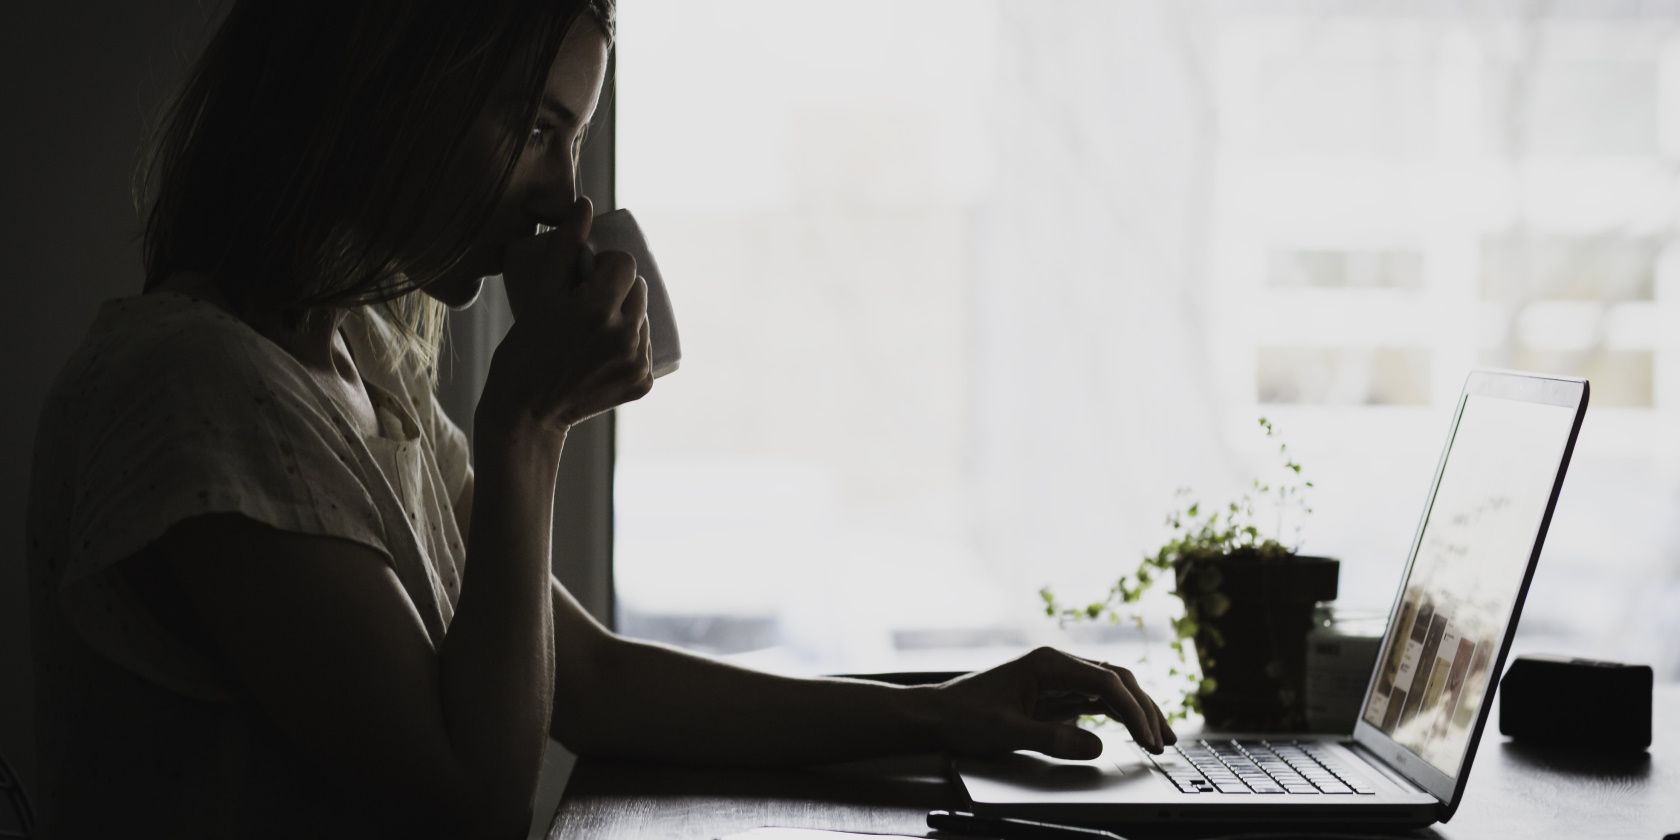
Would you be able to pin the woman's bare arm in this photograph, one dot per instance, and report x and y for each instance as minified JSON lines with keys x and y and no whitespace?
{"x":731,"y":715}
{"x":322,"y":634}
{"x":627,"y":698}
{"x":634,"y":699}
{"x":617,"y":696}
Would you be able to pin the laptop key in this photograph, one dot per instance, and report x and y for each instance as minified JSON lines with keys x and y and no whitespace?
{"x":1338,"y":787}
{"x":1233,"y":788}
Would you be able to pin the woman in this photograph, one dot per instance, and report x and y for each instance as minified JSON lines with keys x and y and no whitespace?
{"x":273,"y":593}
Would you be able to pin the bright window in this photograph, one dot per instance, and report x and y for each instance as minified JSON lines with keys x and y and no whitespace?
{"x":967,"y":289}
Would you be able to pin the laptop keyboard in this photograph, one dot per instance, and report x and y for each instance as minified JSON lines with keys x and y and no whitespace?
{"x":1258,"y":767}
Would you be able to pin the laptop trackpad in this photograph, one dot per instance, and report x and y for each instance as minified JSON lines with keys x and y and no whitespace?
{"x":1119,"y":771}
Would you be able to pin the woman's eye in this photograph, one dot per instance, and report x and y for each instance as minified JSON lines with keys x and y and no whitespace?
{"x":541,"y":133}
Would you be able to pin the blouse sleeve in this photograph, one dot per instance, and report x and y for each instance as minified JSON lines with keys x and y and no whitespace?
{"x":184,"y":428}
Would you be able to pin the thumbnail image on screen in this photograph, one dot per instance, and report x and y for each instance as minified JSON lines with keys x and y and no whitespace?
{"x":1480,"y":531}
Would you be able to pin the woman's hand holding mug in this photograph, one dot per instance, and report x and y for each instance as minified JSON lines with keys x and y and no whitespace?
{"x":579,"y":344}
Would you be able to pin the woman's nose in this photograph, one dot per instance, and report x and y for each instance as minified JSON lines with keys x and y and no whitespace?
{"x":551,"y":197}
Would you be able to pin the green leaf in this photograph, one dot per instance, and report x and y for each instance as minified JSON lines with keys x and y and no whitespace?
{"x":1216,"y":604}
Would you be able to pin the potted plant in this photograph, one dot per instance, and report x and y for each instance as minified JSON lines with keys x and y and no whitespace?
{"x":1248,"y":600}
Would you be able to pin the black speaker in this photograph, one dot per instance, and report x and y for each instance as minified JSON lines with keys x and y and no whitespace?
{"x":1582,"y":703}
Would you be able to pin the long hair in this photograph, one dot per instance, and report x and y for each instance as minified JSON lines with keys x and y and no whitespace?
{"x":297,"y":165}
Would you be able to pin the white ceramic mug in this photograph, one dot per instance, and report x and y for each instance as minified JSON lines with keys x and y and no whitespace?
{"x":616,"y":230}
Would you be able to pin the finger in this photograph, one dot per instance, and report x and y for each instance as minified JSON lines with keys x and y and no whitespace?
{"x":534,"y":268}
{"x":1057,"y":670}
{"x":1151,"y":708}
{"x":563,"y":241}
{"x":633,"y":382}
{"x":1060,"y":740}
{"x":635,"y":352}
{"x":1169,"y":737}
{"x":646,"y":352}
{"x":1150,"y":712}
{"x":635,"y":306}
{"x":636,"y":372}
{"x":613,"y":279}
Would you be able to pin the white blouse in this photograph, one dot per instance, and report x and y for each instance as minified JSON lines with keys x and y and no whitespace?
{"x":172,"y":408}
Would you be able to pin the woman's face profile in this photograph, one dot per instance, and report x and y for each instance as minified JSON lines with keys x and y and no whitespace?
{"x":544,"y":180}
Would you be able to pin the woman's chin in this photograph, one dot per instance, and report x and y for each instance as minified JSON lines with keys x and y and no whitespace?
{"x":456,"y":293}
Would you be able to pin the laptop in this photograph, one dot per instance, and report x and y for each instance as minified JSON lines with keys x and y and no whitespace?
{"x":1408,"y":759}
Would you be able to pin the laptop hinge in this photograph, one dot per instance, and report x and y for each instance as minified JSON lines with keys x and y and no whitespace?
{"x":1394,"y":774}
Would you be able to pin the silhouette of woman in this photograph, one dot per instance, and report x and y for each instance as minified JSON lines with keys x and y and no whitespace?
{"x":273,"y":593}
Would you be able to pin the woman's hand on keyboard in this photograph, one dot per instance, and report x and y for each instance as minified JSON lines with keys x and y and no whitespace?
{"x":1030,"y":703}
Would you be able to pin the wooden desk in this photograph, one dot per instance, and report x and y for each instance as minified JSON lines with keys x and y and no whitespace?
{"x":1515,"y":792}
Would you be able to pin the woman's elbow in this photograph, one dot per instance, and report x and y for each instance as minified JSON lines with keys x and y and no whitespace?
{"x":576,"y":735}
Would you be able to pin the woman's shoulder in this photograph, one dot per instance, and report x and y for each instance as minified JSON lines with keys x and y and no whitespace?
{"x":170,"y":333}
{"x":171,"y":353}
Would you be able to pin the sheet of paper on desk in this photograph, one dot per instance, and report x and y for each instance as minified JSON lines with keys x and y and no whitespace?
{"x":805,"y":834}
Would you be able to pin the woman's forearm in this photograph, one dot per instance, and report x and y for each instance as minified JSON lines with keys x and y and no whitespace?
{"x":655,"y":701}
{"x":497,"y":660}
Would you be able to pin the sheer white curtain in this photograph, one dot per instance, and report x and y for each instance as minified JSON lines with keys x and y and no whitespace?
{"x":968,"y":289}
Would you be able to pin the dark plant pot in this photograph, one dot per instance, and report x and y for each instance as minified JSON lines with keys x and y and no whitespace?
{"x":1254,"y":650}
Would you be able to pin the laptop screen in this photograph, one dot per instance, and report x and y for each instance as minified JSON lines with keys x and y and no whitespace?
{"x":1472,"y":553}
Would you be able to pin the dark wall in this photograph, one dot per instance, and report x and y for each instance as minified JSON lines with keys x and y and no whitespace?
{"x":82,"y":79}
